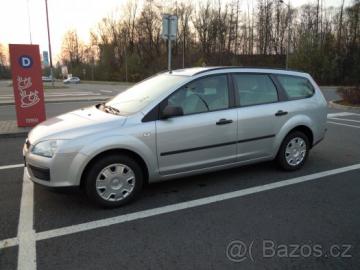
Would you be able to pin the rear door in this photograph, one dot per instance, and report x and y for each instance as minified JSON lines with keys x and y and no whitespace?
{"x":205,"y":135}
{"x":260,"y":115}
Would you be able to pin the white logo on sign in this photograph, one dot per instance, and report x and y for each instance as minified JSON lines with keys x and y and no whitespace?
{"x":25,"y":62}
{"x":28,"y":98}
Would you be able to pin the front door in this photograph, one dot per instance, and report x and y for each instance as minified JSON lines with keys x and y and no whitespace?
{"x":205,"y":135}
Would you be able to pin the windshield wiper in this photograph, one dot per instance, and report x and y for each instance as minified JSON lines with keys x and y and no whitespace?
{"x":109,"y":109}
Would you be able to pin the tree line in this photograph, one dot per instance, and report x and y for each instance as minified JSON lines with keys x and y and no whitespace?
{"x":323,"y":41}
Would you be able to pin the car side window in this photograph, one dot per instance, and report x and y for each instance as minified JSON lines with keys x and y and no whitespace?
{"x":202,"y":95}
{"x":254,"y":89}
{"x":296,"y":87}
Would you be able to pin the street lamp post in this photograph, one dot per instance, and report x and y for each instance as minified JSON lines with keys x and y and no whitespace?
{"x":29,"y":20}
{"x":125,"y":55}
{"x":169,"y":45}
{"x":184,"y":34}
{"x":48,"y":31}
{"x":288,"y":39}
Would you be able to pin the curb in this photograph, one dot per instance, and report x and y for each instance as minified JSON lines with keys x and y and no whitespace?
{"x":61,"y":101}
{"x":334,"y":105}
{"x":14,"y":134}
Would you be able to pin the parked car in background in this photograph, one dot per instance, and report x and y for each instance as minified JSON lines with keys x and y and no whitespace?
{"x":72,"y":80}
{"x":176,"y":124}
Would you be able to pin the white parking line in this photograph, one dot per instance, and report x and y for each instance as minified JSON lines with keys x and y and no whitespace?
{"x":186,"y":205}
{"x":11,"y":166}
{"x":26,"y":232}
{"x":10,"y":242}
{"x":344,"y":119}
{"x":169,"y":208}
{"x":331,"y":115}
{"x":341,"y":124}
{"x":106,"y":91}
{"x":72,"y":94}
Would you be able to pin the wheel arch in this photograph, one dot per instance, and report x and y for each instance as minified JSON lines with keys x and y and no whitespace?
{"x":302,"y":127}
{"x":306,"y":130}
{"x":116,"y":151}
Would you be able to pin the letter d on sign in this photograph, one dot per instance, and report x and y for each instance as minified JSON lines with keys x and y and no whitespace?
{"x":25,"y":61}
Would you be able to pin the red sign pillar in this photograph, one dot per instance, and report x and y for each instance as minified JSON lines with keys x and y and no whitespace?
{"x":27,"y":84}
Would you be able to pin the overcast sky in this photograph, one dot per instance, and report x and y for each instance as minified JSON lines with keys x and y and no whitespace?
{"x":81,"y":15}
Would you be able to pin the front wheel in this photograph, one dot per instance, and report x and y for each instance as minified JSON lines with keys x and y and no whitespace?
{"x":293,"y":151}
{"x":114,"y":180}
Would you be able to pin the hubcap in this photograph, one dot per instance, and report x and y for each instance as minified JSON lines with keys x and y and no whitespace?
{"x":115,"y":182}
{"x":295,"y":151}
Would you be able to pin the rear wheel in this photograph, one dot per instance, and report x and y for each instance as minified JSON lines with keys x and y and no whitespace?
{"x":114,"y":180}
{"x":293,"y":151}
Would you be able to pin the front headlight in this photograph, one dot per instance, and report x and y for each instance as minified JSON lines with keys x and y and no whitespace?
{"x":45,"y":148}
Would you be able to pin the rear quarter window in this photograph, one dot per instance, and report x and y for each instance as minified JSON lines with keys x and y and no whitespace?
{"x":296,"y":87}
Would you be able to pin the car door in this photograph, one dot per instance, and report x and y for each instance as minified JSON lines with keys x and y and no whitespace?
{"x":205,"y":135}
{"x":259,"y":114}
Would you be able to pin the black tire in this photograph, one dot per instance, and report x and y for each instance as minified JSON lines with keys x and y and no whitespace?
{"x":98,"y":166}
{"x":281,"y":156}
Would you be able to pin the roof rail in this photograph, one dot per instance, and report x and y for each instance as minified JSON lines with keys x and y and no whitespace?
{"x":242,"y":67}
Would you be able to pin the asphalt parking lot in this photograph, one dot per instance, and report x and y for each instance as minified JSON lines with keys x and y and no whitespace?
{"x":253,"y":217}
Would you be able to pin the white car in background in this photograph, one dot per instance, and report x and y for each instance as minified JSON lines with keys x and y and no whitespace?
{"x":72,"y":80}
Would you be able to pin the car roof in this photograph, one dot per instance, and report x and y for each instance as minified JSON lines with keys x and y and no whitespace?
{"x":218,"y":69}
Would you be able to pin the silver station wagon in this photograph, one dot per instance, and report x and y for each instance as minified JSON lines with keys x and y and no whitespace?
{"x":176,"y":124}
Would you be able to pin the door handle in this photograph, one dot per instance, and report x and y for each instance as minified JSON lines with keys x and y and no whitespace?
{"x":280,"y":113}
{"x":224,"y":121}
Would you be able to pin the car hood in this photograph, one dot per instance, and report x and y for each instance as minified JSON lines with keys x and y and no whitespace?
{"x":75,"y":124}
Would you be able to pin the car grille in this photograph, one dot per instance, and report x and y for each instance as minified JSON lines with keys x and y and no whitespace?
{"x":39,"y":173}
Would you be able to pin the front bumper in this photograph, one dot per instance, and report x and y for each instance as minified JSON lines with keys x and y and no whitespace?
{"x":62,"y":170}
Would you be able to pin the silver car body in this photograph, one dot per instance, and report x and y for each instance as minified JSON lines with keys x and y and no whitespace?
{"x":178,"y":146}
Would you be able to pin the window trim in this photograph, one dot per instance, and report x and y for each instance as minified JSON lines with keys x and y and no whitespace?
{"x":152,"y":115}
{"x":279,"y":92}
{"x":155,"y":113}
{"x":296,"y":76}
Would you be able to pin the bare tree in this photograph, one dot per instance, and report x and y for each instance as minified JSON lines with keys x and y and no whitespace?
{"x":72,"y":48}
{"x":264,"y":25}
{"x":3,"y":55}
{"x":324,"y":41}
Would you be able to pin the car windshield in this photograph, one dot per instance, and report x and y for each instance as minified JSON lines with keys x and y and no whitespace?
{"x":141,"y":94}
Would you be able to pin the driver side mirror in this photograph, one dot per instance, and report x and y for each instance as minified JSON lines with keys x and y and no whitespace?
{"x":171,"y":111}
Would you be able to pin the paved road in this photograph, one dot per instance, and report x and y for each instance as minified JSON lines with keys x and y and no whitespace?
{"x":7,"y":112}
{"x":97,"y":87}
{"x":330,"y":92}
{"x":106,"y":88}
{"x":72,"y":94}
{"x":302,"y":219}
{"x":80,"y":91}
